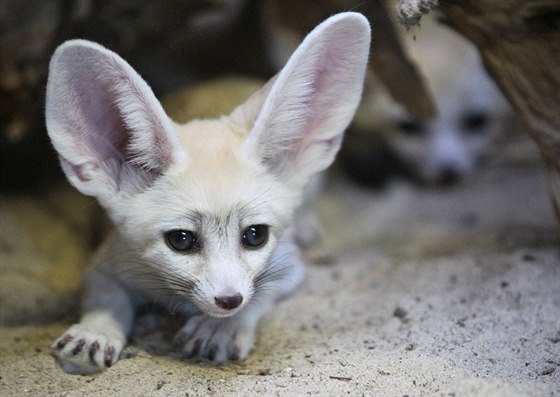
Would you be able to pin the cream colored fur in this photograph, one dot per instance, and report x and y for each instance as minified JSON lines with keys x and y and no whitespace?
{"x":215,"y":181}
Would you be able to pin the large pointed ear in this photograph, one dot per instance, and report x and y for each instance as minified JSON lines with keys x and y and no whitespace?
{"x":110,"y":131}
{"x":299,"y":118}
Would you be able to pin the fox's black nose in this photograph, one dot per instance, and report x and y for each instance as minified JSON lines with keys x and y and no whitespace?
{"x":228,"y":302}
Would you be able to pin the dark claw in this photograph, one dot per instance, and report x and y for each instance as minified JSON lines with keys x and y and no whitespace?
{"x":235,"y":354}
{"x":79,"y":347}
{"x":211,"y":352}
{"x":109,"y":355}
{"x":93,"y":350}
{"x":196,"y":348}
{"x":64,"y":341}
{"x":180,"y":340}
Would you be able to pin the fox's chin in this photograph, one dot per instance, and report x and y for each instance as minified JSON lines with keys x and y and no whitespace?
{"x":221,"y":313}
{"x":214,"y":311}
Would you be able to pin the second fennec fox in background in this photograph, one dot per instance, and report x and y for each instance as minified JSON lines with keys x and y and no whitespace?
{"x":451,"y":146}
{"x":203,"y":211}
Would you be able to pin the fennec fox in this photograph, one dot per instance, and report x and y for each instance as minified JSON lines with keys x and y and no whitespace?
{"x":202,"y":211}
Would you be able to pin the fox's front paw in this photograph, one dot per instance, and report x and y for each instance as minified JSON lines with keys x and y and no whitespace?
{"x":216,"y":339}
{"x":82,"y":351}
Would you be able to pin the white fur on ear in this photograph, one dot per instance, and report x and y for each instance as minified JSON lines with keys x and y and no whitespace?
{"x":110,"y":131}
{"x":299,"y":126}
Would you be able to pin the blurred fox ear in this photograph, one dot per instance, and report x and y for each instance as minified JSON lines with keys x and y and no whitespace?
{"x":110,"y":131}
{"x":299,"y":117}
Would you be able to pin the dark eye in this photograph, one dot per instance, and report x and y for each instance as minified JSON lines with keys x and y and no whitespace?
{"x":181,"y":240}
{"x":410,"y":127}
{"x":255,"y":236}
{"x":474,"y":122}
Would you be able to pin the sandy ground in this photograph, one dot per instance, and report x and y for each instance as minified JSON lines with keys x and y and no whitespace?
{"x":412,"y":293}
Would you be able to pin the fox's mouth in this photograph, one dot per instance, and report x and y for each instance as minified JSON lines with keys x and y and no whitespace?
{"x":222,"y":314}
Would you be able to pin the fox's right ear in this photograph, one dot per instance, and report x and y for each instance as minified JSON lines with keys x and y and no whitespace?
{"x":110,"y":131}
{"x":298,"y":119}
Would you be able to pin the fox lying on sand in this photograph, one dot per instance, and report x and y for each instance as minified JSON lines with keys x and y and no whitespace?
{"x":203,"y":211}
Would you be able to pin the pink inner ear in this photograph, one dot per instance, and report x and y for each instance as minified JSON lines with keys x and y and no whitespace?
{"x":312,"y":101}
{"x":102,"y":132}
{"x":323,"y":98}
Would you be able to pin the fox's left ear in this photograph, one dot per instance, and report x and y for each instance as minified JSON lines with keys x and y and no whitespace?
{"x":300,"y":116}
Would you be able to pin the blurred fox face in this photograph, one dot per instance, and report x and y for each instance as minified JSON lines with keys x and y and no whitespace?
{"x":449,"y":147}
{"x":470,"y":111}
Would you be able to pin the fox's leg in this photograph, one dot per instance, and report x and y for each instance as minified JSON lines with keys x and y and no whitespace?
{"x":232,"y":338}
{"x":96,"y":342}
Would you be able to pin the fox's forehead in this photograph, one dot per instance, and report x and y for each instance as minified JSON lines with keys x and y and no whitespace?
{"x":214,"y":151}
{"x":452,"y":68}
{"x":210,"y":137}
{"x":219,"y":177}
